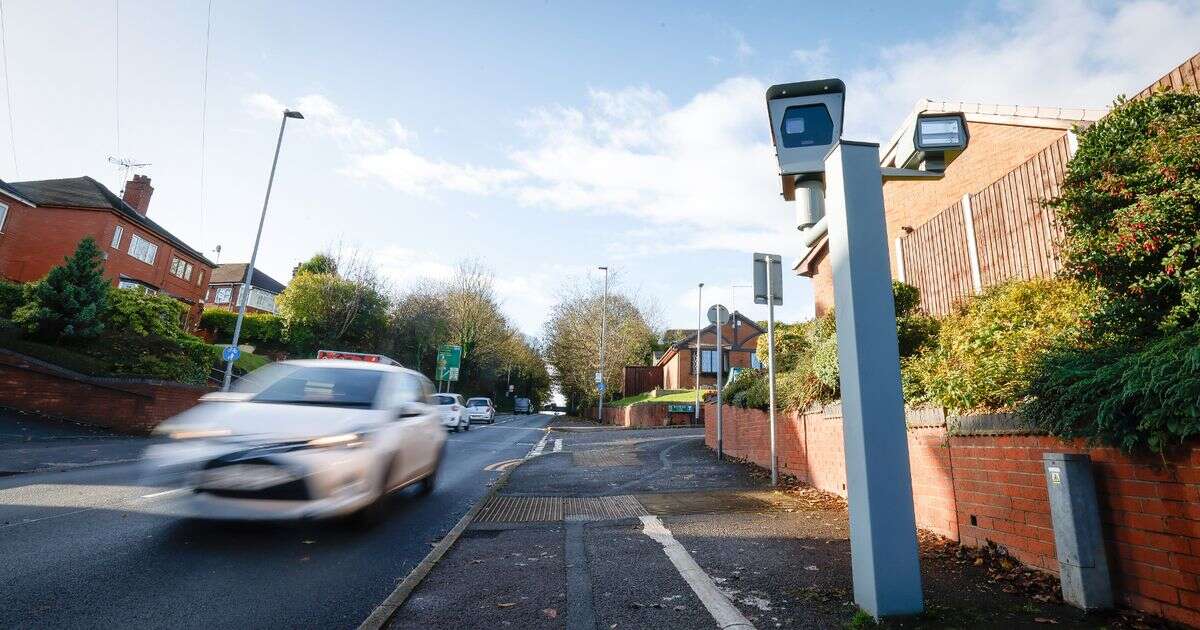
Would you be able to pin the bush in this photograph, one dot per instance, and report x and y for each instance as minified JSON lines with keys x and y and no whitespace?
{"x":257,"y":328}
{"x":1144,"y":398}
{"x":185,"y":359}
{"x":139,"y":312}
{"x":12,"y":295}
{"x":986,"y":351}
{"x":1130,"y":213}
{"x":69,"y":303}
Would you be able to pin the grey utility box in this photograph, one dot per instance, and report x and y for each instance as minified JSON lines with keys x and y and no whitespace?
{"x":1082,"y":565}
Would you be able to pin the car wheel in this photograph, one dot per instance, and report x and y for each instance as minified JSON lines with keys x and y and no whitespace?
{"x":467,"y":425}
{"x":430,"y":480}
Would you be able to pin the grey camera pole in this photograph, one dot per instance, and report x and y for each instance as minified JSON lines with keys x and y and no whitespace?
{"x":603,"y":336}
{"x":243,"y":297}
{"x":699,"y":327}
{"x":771,"y":368}
{"x":720,"y":368}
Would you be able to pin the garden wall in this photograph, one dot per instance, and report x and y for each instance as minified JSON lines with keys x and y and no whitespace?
{"x":122,"y":404}
{"x":980,"y":478}
{"x":643,"y":415}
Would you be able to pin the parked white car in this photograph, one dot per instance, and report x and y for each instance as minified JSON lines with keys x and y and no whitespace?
{"x":453,"y":411}
{"x":303,"y":439}
{"x":481,"y":409}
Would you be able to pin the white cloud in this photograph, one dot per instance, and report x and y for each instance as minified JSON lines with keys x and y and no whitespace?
{"x":744,"y":49}
{"x":412,"y":173}
{"x":323,"y":117}
{"x":814,"y":62}
{"x":405,"y":266}
{"x":402,"y":134}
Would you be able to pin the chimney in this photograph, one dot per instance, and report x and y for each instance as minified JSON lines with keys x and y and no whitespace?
{"x":137,"y":193}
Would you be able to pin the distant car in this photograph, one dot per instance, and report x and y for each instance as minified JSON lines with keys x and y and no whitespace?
{"x":523,"y":405}
{"x":481,"y":409}
{"x":454,"y":411}
{"x":302,"y":439}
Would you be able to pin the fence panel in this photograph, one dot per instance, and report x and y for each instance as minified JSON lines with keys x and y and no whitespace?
{"x":641,"y":378}
{"x":936,"y":262}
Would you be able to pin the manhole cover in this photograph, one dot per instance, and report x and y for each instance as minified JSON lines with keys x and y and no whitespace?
{"x":508,"y":509}
{"x":605,"y":457}
{"x":622,"y":506}
{"x":678,"y":503}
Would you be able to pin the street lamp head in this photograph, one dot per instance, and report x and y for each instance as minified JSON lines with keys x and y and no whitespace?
{"x":288,"y":113}
{"x":602,"y":268}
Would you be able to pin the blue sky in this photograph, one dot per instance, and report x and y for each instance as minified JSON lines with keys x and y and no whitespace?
{"x":544,"y":137}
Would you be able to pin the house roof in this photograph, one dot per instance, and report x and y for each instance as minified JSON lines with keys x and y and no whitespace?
{"x":690,"y":340}
{"x":7,"y":190}
{"x":234,"y":273}
{"x":85,"y":192}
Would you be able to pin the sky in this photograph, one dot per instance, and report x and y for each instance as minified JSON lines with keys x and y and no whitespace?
{"x":544,"y":138}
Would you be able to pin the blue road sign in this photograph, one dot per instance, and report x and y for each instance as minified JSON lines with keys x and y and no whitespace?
{"x":600,"y":386}
{"x":231,"y":353}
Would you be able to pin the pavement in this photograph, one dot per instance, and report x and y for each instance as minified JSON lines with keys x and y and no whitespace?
{"x":619,"y":528}
{"x":86,"y":544}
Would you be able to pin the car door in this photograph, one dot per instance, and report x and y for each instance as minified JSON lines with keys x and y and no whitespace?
{"x":404,"y":430}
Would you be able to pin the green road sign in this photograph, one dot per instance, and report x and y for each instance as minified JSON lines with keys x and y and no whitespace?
{"x":673,"y":408}
{"x":449,"y":359}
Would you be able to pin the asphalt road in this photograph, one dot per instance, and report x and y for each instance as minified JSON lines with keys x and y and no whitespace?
{"x":90,"y":547}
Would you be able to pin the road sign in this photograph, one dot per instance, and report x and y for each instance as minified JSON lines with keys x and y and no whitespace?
{"x":673,"y":408}
{"x":231,"y":353}
{"x":599,"y":378}
{"x":600,"y":386}
{"x":760,"y":278}
{"x":449,"y":360}
{"x":718,"y":314}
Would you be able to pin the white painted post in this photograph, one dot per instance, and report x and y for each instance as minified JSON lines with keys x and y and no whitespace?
{"x":972,"y":248}
{"x":883,"y":542}
{"x":900,"y":275}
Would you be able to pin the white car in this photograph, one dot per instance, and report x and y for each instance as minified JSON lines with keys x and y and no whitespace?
{"x":481,"y":409}
{"x":453,"y":411}
{"x":303,"y":440}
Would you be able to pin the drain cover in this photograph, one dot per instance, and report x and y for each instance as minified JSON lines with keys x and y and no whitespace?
{"x":605,"y":457}
{"x":506,"y":509}
{"x":622,"y":506}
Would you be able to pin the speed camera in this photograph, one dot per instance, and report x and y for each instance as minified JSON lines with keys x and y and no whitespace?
{"x":935,"y":141}
{"x":806,"y":121}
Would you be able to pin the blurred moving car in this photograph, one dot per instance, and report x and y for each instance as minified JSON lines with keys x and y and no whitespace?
{"x":453,"y":410}
{"x":481,"y":409}
{"x":523,"y":405}
{"x":303,"y":439}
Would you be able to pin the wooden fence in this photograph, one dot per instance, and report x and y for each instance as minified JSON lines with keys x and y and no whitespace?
{"x":1006,"y":230}
{"x":641,"y":378}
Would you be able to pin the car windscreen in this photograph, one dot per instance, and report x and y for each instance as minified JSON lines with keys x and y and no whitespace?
{"x":293,"y":384}
{"x":477,"y":402}
{"x":444,"y":400}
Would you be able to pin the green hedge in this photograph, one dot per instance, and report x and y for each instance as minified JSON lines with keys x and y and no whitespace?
{"x":257,"y":328}
{"x":12,"y":295}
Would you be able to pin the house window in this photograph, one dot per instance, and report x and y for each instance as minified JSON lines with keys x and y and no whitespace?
{"x":755,"y":362}
{"x":3,"y":216}
{"x":224,"y":295}
{"x":262,"y":300}
{"x":117,"y":233}
{"x":125,"y":283}
{"x":142,"y":249}
{"x":200,"y":278}
{"x":181,"y":268}
{"x":708,"y":361}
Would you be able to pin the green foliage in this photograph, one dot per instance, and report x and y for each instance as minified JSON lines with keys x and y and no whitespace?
{"x":986,"y":351}
{"x":319,"y":263}
{"x":12,"y":296}
{"x":322,"y":310}
{"x":1139,"y":398}
{"x":257,"y":328}
{"x":138,"y":312}
{"x":69,"y":303}
{"x":184,"y":359}
{"x":1130,"y":213}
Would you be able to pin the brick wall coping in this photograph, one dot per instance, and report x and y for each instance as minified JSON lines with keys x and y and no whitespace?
{"x":990,"y":424}
{"x":16,"y":359}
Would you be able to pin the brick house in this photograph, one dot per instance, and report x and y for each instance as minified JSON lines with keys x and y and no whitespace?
{"x":225,"y":289}
{"x":42,"y":222}
{"x":739,"y":340}
{"x":1001,"y":139}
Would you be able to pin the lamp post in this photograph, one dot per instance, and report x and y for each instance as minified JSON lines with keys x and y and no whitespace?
{"x":603,"y":336}
{"x":699,"y":327}
{"x":242,"y":296}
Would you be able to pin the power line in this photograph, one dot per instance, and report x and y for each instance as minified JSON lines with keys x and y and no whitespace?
{"x":12,"y":128}
{"x":117,"y":70}
{"x":204,"y":117}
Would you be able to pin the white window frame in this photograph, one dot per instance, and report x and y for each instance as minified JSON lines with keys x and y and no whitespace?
{"x":118,"y":233}
{"x":227,"y":291}
{"x":181,"y":268}
{"x":3,"y":216}
{"x":142,"y":249}
{"x":262,"y":300}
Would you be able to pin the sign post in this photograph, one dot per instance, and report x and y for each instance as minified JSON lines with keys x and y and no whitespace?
{"x":768,"y":289}
{"x":719,"y":315}
{"x":449,"y":360}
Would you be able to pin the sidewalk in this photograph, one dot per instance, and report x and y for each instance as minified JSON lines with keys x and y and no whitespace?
{"x":34,"y":443}
{"x":644,"y":528}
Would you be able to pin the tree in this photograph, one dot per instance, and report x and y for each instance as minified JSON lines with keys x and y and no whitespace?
{"x":571,"y":340}
{"x":344,"y":312}
{"x":419,"y":324}
{"x":69,"y":303}
{"x":475,"y":322}
{"x":320,"y":263}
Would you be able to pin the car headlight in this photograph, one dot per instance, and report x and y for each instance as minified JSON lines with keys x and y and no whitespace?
{"x":341,"y":440}
{"x":193,"y":434}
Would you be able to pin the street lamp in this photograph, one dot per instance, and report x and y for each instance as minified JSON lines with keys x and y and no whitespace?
{"x":243,"y":296}
{"x":699,"y":326}
{"x":603,"y":336}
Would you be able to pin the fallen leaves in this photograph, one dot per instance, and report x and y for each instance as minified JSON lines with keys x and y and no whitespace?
{"x":506,"y":604}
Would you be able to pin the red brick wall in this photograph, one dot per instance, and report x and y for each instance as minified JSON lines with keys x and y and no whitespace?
{"x":1151,"y":512}
{"x":647,"y":415}
{"x":36,"y":239}
{"x":125,"y":405}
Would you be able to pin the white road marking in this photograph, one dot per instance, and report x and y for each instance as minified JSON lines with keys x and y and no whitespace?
{"x":163,"y":493}
{"x":539,"y":447}
{"x":557,"y":446}
{"x":722,"y":610}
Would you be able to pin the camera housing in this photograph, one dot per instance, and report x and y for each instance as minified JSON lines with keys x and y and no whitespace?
{"x":936,"y":139}
{"x":806,"y":122}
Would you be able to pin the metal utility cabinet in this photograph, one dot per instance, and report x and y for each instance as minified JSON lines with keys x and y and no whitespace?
{"x":1078,"y":538}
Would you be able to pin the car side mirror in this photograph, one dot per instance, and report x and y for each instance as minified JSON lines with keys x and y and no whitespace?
{"x":409,"y":410}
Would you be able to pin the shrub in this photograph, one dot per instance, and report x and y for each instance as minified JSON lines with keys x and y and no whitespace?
{"x":258,"y":328}
{"x":185,"y":359}
{"x":985,"y":352}
{"x":139,"y":312}
{"x":12,"y":295}
{"x":1130,"y":213}
{"x":1144,"y":398}
{"x":69,"y":303}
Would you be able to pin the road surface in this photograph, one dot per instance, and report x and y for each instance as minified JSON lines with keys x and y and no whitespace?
{"x":91,"y":547}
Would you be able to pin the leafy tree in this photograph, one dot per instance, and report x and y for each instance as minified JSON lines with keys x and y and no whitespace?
{"x":319,"y":264}
{"x":69,"y":303}
{"x":138,"y":312}
{"x":323,"y":310}
{"x":419,"y":324}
